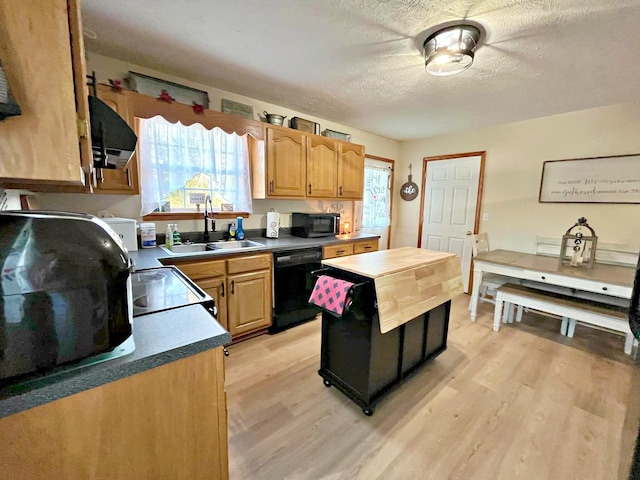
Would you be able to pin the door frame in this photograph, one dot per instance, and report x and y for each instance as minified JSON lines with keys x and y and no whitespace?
{"x":393,"y":168}
{"x":476,"y":223}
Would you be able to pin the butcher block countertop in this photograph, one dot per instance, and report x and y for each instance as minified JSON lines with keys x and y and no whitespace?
{"x":408,"y":281}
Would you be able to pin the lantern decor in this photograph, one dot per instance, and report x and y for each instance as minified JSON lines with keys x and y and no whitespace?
{"x":578,"y":247}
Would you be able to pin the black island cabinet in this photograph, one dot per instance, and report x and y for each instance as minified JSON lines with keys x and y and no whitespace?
{"x":359,"y":359}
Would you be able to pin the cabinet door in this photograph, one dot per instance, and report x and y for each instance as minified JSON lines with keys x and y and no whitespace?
{"x":42,"y":144}
{"x":322,"y":167}
{"x":286,"y":162}
{"x":216,"y":288}
{"x":121,"y":181}
{"x":350,"y":171}
{"x":249,"y":302}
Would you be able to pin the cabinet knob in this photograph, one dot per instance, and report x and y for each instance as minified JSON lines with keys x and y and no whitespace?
{"x":605,"y":288}
{"x":543,"y":277}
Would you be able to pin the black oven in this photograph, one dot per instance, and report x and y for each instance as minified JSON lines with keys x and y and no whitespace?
{"x":292,"y":285}
{"x":310,"y":225}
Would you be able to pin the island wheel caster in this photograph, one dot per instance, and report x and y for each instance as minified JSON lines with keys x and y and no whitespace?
{"x":326,"y":382}
{"x":368,"y":411}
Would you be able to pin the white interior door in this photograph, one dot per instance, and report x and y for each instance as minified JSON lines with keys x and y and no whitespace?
{"x":450,"y":199}
{"x":376,"y":204}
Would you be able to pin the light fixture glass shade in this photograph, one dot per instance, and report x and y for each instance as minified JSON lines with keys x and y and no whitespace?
{"x":450,"y":50}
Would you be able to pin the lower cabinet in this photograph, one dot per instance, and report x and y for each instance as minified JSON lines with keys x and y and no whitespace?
{"x":167,"y":422}
{"x":249,"y":304}
{"x":240,"y":286}
{"x":345,"y":249}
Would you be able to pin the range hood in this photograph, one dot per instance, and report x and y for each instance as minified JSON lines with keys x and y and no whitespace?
{"x":112,"y":138}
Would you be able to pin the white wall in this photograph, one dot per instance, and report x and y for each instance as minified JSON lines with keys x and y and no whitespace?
{"x":129,"y":206}
{"x":515,"y":154}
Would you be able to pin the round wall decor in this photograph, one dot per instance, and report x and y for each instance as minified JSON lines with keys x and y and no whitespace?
{"x":409,"y":190}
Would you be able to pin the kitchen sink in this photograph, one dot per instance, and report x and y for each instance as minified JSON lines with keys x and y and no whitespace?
{"x":186,"y":248}
{"x":234,"y":244}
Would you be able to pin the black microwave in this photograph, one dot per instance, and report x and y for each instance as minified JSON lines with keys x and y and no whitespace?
{"x":311,"y":225}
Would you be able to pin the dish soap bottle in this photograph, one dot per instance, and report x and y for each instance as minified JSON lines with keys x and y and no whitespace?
{"x":168,"y":236}
{"x":239,"y":230}
{"x":232,"y":231}
{"x":176,"y":235}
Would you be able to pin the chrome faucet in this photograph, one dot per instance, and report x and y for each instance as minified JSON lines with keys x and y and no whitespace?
{"x":209,"y":203}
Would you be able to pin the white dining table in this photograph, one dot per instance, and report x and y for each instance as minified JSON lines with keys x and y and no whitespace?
{"x":611,"y":280}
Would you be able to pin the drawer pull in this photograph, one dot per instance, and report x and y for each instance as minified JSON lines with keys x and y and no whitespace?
{"x":605,"y":288}
{"x":309,"y":189}
{"x":543,"y":277}
{"x":368,"y":247}
{"x":340,"y":251}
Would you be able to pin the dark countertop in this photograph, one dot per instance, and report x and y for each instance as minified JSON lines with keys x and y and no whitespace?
{"x":160,"y":338}
{"x":150,"y":257}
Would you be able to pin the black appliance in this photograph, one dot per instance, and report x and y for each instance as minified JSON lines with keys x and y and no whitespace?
{"x":8,"y":105}
{"x":66,"y":290}
{"x":165,"y":288}
{"x":311,"y":225}
{"x":292,"y":286}
{"x":113,"y":141}
{"x":630,"y":447}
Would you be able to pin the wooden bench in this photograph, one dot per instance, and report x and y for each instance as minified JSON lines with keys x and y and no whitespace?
{"x":570,"y":309}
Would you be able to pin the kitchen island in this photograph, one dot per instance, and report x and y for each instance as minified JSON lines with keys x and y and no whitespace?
{"x":395,"y":320}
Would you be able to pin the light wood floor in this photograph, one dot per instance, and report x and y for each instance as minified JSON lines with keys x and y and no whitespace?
{"x":523,"y":403}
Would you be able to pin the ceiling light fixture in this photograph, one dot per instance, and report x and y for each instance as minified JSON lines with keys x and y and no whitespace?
{"x":450,"y":50}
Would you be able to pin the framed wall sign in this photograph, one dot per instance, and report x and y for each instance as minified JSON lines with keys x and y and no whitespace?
{"x":614,"y":179}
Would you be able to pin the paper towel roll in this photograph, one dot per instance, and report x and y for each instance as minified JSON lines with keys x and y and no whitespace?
{"x":273,"y":224}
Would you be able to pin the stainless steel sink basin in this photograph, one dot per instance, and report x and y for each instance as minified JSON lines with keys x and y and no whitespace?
{"x":232,"y":245}
{"x":186,"y":248}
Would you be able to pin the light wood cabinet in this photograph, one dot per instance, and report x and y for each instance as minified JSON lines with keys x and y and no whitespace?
{"x":249,"y":305}
{"x":286,"y":162}
{"x":240,"y":286}
{"x":166,"y":422}
{"x":346,"y":249}
{"x":341,"y":250}
{"x":350,"y":171}
{"x":322,"y":167}
{"x":120,"y":181}
{"x":216,"y":289}
{"x":42,"y":56}
{"x":303,"y":165}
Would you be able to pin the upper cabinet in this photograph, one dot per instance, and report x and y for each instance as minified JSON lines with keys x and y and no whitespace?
{"x":286,"y":162}
{"x":43,"y":58}
{"x":350,"y":171}
{"x":303,"y":165}
{"x":322,"y":167}
{"x":121,"y":181}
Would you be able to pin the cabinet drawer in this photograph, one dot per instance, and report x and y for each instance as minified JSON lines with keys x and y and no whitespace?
{"x":249,"y":263}
{"x":579,"y":283}
{"x":333,"y":251}
{"x":199,"y":269}
{"x":362,"y":247}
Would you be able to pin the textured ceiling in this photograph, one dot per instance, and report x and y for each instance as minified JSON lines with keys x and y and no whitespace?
{"x":358,"y":62}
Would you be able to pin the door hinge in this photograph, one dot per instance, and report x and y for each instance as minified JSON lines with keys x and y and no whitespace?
{"x":83,"y":127}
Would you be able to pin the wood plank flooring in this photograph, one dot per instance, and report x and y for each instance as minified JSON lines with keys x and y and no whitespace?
{"x":522,"y":403}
